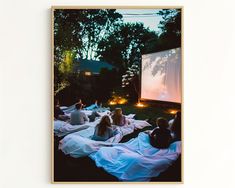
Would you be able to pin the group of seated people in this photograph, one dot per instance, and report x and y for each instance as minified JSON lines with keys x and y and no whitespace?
{"x":60,"y":115}
{"x":104,"y":130}
{"x":161,"y":137}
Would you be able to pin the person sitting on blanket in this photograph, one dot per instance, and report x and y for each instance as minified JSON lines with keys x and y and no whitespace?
{"x":78,"y":117}
{"x":161,"y":137}
{"x":104,"y":130}
{"x":93,"y":115}
{"x":58,"y":113}
{"x":118,"y":118}
{"x":176,"y":127}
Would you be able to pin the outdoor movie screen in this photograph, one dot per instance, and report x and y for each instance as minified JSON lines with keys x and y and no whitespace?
{"x":161,"y":76}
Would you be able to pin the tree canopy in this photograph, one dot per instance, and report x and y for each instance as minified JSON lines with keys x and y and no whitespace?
{"x":120,"y":46}
{"x":80,"y":31}
{"x":170,"y":28}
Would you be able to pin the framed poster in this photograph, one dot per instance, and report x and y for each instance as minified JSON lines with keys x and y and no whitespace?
{"x":117,"y":94}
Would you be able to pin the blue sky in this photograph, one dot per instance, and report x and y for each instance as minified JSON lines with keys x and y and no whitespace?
{"x":143,"y":16}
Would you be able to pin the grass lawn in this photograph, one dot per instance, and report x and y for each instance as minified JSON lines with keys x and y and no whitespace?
{"x":151,"y":111}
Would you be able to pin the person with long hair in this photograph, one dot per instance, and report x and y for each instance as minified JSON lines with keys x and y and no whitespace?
{"x":118,"y":118}
{"x":104,"y":130}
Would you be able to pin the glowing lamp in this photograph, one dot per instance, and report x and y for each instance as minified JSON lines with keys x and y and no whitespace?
{"x":87,"y":73}
{"x":112,"y":103}
{"x":140,"y":105}
{"x":172,"y":111}
{"x":122,"y":101}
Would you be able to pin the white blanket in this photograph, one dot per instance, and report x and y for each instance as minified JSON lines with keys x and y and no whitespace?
{"x":69,"y":109}
{"x":136,"y":160}
{"x":62,"y":128}
{"x":79,"y":144}
{"x":87,"y":112}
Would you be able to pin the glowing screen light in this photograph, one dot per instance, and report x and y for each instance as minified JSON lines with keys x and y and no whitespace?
{"x":161,"y":76}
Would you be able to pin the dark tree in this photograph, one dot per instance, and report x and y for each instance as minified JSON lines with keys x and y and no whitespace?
{"x":119,"y":47}
{"x":80,"y":31}
{"x":170,"y":36}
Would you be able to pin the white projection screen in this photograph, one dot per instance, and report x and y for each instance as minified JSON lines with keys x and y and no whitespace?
{"x":161,"y":76}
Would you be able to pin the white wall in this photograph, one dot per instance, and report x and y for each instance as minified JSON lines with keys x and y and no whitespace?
{"x":209,"y":95}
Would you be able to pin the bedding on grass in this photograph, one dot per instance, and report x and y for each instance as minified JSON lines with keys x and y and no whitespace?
{"x":79,"y":144}
{"x":62,"y":128}
{"x":136,"y":160}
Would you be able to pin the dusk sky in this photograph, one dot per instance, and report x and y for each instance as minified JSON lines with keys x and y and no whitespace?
{"x":147,"y":16}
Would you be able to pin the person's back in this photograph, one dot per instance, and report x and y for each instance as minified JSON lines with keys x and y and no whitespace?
{"x":106,"y":135}
{"x":57,"y":112}
{"x":161,"y":137}
{"x":103,"y":130}
{"x":118,"y":118}
{"x":93,"y":116}
{"x":119,"y":121}
{"x":78,"y":117}
{"x":176,"y":127}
